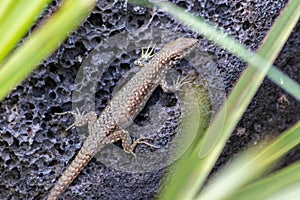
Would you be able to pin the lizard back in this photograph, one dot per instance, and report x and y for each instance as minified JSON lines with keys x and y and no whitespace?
{"x":122,"y":109}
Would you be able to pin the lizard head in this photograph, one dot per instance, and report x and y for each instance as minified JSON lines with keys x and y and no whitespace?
{"x":176,"y":49}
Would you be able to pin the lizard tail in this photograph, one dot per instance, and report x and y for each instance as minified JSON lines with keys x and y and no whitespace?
{"x":80,"y":161}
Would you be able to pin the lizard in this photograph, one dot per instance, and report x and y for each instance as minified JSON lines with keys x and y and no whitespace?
{"x":121,"y":110}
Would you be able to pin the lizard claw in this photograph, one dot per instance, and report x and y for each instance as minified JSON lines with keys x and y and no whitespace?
{"x":181,"y":82}
{"x":141,"y":141}
{"x":148,"y":144}
{"x":76,"y":114}
{"x":146,"y":56}
{"x":65,"y":113}
{"x":73,"y":125}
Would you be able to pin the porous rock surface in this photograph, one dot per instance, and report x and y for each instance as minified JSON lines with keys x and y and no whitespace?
{"x":35,"y":148}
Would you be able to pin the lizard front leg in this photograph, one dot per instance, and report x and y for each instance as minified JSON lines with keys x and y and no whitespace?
{"x":176,"y":85}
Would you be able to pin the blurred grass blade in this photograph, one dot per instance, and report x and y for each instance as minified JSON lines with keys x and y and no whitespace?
{"x":249,"y":165}
{"x":145,"y":3}
{"x":16,"y":20}
{"x":290,"y":192}
{"x":272,"y":184}
{"x":5,"y":6}
{"x":278,"y":77}
{"x":42,"y":43}
{"x":189,"y":178}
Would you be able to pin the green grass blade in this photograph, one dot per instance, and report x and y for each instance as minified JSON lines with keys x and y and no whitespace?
{"x":290,"y":192}
{"x":188,"y":179}
{"x":16,"y":21}
{"x":266,"y":187}
{"x":249,"y":165}
{"x":5,"y":6}
{"x":144,"y":3}
{"x":42,"y":43}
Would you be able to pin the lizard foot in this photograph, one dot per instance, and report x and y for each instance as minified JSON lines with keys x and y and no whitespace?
{"x":176,"y":85}
{"x":146,"y":56}
{"x":81,"y":119}
{"x":140,"y":141}
{"x":180,"y":82}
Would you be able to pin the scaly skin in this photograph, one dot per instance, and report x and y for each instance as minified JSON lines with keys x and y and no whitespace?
{"x":121,"y":111}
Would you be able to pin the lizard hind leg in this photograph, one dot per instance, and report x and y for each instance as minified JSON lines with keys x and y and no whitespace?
{"x":81,"y":118}
{"x":129,"y":146}
{"x":140,"y":141}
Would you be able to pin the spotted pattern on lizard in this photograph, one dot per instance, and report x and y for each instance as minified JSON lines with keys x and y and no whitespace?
{"x":121,"y":110}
